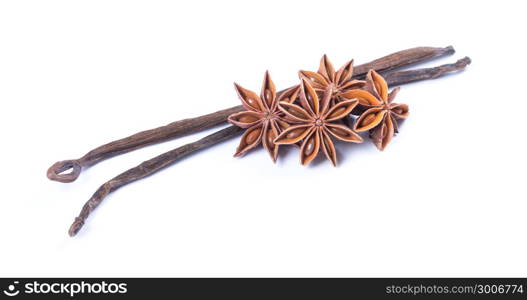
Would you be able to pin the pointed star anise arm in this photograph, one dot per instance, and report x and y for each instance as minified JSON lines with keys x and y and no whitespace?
{"x":370,"y":119}
{"x":250,"y":139}
{"x":344,"y":73}
{"x":268,"y":94}
{"x":245,"y":119}
{"x":383,"y":134}
{"x":326,"y":69}
{"x":376,"y":85}
{"x":249,"y":99}
{"x":270,"y":132}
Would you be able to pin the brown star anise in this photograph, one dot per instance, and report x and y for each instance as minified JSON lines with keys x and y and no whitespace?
{"x":263,"y":120}
{"x":340,"y":81}
{"x":315,"y":123}
{"x":381,"y":115}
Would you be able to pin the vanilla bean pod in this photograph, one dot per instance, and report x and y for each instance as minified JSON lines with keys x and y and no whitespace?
{"x":401,"y":59}
{"x":147,"y":168}
{"x":157,"y":163}
{"x":139,"y":140}
{"x":403,"y":77}
{"x":59,"y":170}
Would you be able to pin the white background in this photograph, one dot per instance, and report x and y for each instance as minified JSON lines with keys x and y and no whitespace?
{"x":447,"y":197}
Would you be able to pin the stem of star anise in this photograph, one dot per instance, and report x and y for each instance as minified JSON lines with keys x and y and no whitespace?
{"x":164,"y":160}
{"x":69,"y":170}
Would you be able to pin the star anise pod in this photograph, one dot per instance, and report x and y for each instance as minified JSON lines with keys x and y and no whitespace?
{"x":381,"y":114}
{"x":340,"y":81}
{"x":263,"y":120}
{"x":315,"y":123}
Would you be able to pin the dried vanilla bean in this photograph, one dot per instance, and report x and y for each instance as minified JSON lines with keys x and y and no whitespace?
{"x":147,"y":168}
{"x":144,"y":138}
{"x":401,"y":59}
{"x":69,"y":170}
{"x":157,"y":163}
{"x":403,"y":77}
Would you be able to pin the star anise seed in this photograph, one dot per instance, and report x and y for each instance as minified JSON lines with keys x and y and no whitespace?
{"x":263,"y":120}
{"x":315,"y":123}
{"x":381,"y":114}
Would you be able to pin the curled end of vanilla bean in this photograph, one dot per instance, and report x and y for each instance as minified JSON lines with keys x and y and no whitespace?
{"x":76,"y":226}
{"x":462,"y":63}
{"x":449,"y":50}
{"x":65,"y":171}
